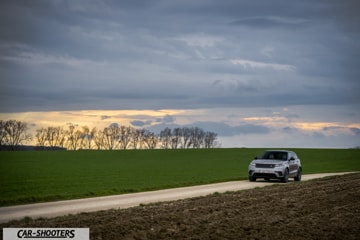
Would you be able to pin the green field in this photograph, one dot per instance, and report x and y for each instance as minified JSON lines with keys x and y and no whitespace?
{"x":38,"y":176}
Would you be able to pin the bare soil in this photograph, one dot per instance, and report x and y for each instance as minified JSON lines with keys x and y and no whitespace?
{"x":327,"y":208}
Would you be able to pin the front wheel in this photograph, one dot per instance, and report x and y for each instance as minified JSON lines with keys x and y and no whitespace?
{"x":285,"y":178}
{"x":252,"y":179}
{"x":298,"y":176}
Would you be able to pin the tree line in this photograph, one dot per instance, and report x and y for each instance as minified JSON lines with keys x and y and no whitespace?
{"x":73,"y":137}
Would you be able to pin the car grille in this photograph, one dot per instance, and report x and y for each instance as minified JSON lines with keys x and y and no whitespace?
{"x":260,"y":165}
{"x":265,"y":175}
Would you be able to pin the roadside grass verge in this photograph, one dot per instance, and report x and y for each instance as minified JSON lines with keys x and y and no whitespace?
{"x":40,"y":176}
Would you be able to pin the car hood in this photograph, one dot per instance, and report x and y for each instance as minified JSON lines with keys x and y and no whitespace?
{"x":266,"y":161}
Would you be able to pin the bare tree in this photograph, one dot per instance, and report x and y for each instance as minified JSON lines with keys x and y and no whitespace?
{"x":41,"y":137}
{"x":210,"y":140}
{"x":176,"y":137}
{"x":197,"y":137}
{"x":88,"y":137}
{"x":186,"y":136}
{"x":2,"y":134}
{"x":135,"y":138}
{"x":193,"y":137}
{"x":99,"y":140}
{"x":73,"y":137}
{"x":165,"y":136}
{"x":152,"y":140}
{"x":140,"y":136}
{"x":146,"y":138}
{"x":55,"y":137}
{"x":111,"y":136}
{"x":125,"y":136}
{"x":14,"y":133}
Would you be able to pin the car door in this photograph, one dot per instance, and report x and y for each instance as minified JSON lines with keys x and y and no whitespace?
{"x":292,"y":163}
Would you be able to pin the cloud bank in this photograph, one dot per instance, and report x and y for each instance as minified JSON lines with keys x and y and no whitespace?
{"x":231,"y":55}
{"x":74,"y":55}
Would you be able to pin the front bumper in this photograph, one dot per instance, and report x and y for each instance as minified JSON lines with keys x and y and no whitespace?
{"x":266,"y":172}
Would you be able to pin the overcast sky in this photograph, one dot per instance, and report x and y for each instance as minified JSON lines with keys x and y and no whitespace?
{"x":259,"y":73}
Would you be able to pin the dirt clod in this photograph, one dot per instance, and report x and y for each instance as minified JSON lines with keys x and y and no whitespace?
{"x":327,"y":208}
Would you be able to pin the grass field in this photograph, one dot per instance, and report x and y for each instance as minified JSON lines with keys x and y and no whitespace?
{"x":38,"y":176}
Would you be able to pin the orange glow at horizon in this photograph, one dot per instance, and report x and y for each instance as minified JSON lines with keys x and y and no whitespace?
{"x":86,"y":117}
{"x":314,"y":126}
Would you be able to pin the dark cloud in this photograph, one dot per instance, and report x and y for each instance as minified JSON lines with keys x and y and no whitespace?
{"x":290,"y":130}
{"x":73,"y":55}
{"x":342,"y":130}
{"x":356,"y":131}
{"x":272,"y":22}
{"x":251,"y":129}
{"x":345,"y":13}
{"x":104,"y":117}
{"x":139,"y":123}
{"x":167,"y":119}
{"x":318,"y":135}
{"x":292,"y":116}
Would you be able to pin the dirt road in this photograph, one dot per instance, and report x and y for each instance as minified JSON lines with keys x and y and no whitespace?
{"x":60,"y":208}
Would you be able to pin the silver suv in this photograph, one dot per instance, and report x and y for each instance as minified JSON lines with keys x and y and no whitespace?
{"x":276,"y":164}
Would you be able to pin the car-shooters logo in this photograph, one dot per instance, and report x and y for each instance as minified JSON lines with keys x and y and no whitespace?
{"x":46,"y":233}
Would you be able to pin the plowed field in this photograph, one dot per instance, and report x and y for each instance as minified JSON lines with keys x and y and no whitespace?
{"x":327,"y":208}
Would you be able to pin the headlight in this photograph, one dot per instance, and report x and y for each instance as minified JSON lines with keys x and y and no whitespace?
{"x":252,"y":164}
{"x":279,"y":165}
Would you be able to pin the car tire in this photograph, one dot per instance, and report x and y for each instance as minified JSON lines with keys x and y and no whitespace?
{"x":298,"y":176}
{"x":285,"y":178}
{"x":252,"y":179}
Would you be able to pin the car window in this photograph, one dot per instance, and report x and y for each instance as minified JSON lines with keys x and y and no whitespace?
{"x":293,"y":155}
{"x":275,"y":155}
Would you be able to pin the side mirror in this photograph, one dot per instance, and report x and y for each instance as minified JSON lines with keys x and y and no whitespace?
{"x":255,"y":158}
{"x":292,"y":159}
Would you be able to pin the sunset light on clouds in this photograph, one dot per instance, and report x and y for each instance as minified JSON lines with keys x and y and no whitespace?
{"x":258,"y":73}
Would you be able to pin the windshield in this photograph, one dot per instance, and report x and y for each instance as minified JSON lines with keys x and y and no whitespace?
{"x":271,"y":155}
